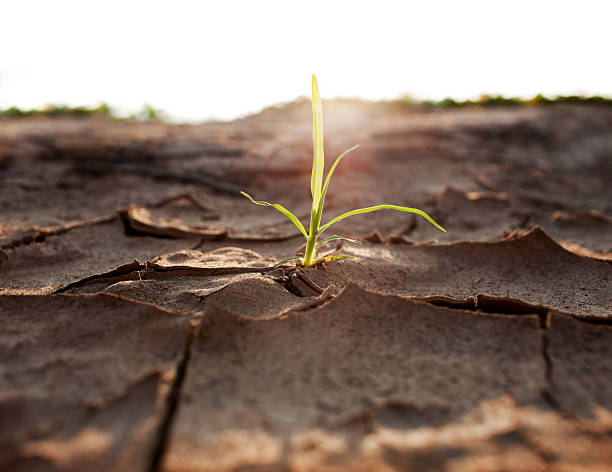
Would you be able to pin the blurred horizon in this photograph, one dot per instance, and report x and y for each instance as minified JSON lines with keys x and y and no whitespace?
{"x":199,"y":61}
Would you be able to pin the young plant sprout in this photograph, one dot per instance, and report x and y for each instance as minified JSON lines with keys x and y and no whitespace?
{"x":318,"y":190}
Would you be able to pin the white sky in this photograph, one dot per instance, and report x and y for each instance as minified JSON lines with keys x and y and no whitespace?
{"x":221,"y":59}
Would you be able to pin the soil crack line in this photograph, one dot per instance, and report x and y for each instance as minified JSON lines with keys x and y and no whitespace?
{"x":156,"y":271}
{"x":546,"y":392}
{"x":149,"y":271}
{"x":39,"y":235}
{"x":199,"y":244}
{"x":162,"y":436}
{"x":189,"y":176}
{"x":298,"y":283}
{"x":124,"y":272}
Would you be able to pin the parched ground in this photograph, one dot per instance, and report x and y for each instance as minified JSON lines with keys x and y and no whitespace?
{"x":143,"y":326}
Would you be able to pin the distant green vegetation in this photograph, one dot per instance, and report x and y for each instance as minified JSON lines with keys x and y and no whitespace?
{"x":147,"y":113}
{"x":150,"y":114}
{"x":497,"y":100}
{"x":57,"y":110}
{"x":482,"y":101}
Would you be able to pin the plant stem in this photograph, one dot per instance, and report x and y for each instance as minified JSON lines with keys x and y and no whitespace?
{"x":310,"y":249}
{"x":313,"y":234}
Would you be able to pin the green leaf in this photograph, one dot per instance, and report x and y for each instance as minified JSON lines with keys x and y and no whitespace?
{"x":318,"y":158}
{"x":381,"y":207}
{"x":334,"y":238}
{"x":283,"y":210}
{"x":337,"y":257}
{"x":333,"y":167}
{"x":328,"y":178}
{"x":289,"y":259}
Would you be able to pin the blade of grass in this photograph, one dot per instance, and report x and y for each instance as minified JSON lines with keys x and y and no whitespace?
{"x":337,"y":257}
{"x":289,"y":259}
{"x":381,"y":207}
{"x":334,"y":238}
{"x":328,"y":178}
{"x":318,"y":158}
{"x":283,"y":210}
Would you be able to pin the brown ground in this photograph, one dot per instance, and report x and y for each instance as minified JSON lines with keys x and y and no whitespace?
{"x":142,"y":326}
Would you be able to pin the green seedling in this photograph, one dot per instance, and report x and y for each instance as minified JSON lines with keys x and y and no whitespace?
{"x":318,"y":190}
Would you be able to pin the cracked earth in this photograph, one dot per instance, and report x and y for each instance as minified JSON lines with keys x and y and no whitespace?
{"x":144,"y":327}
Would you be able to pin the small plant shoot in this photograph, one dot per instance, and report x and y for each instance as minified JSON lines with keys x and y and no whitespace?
{"x":318,"y":190}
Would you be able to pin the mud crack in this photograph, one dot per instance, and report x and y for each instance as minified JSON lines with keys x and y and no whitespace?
{"x":39,"y":235}
{"x":149,"y":271}
{"x":187,"y":176}
{"x":160,"y":442}
{"x":130,"y":271}
{"x":546,"y":392}
{"x":490,"y":304}
{"x":298,"y":283}
{"x":485,"y":303}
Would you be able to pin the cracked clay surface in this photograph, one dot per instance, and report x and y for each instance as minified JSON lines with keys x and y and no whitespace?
{"x":143,"y":326}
